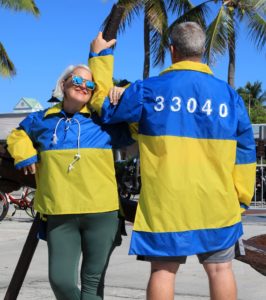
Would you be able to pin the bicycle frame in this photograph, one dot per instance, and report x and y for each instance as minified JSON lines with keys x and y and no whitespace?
{"x":22,"y":202}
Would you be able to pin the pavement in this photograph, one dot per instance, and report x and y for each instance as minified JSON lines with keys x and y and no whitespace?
{"x":126,"y":278}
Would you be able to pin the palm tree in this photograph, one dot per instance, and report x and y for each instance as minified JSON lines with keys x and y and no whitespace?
{"x":7,"y":68}
{"x":254,"y":98}
{"x":155,"y":22}
{"x":222,"y":31}
{"x":252,"y":94}
{"x":155,"y":25}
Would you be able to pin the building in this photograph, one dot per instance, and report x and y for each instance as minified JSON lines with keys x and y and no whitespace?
{"x":27,"y":105}
{"x":9,"y":121}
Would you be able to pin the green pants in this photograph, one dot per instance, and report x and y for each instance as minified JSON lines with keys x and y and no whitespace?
{"x":93,"y":235}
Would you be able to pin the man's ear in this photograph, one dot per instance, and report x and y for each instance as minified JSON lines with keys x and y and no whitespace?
{"x":175,"y":56}
{"x":172,"y":51}
{"x":171,"y":48}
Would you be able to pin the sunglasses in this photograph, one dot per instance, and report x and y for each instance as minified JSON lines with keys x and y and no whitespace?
{"x":78,"y":80}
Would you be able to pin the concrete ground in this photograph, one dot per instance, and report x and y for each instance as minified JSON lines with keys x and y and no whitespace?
{"x":126,"y":278}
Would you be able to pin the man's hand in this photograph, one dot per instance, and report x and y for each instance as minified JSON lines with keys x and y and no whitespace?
{"x":99,"y":44}
{"x":31,"y":169}
{"x":115,"y":94}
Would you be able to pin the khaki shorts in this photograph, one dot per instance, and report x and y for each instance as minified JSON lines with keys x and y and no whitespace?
{"x":220,"y":256}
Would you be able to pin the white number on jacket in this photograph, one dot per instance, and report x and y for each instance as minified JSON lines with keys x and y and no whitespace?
{"x":191,"y":106}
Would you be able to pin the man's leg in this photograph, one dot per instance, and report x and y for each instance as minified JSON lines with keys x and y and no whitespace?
{"x":221,"y":281}
{"x":218,"y":266}
{"x":161,"y":284}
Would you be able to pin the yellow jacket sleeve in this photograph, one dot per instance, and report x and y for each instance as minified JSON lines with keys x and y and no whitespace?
{"x":102,"y":70}
{"x":244,"y":179}
{"x":21,"y":148}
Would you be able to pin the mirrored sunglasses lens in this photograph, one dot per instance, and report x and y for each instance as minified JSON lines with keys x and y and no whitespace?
{"x":77,"y":80}
{"x":90,"y":85}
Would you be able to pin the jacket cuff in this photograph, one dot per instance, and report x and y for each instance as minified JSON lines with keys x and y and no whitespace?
{"x":243,"y":207}
{"x":27,"y":162}
{"x":101,"y":53}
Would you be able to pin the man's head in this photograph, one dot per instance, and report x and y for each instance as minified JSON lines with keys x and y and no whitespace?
{"x":187,"y":42}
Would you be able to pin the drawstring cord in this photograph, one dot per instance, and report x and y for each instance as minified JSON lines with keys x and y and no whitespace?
{"x":77,"y":156}
{"x":55,"y":139}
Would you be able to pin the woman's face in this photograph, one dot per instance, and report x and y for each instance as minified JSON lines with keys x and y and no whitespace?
{"x":77,"y":94}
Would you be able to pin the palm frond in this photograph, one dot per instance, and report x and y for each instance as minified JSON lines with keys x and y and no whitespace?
{"x":7,"y":68}
{"x":132,"y":9}
{"x":253,"y":91}
{"x":257,"y":29}
{"x":18,"y":5}
{"x":242,"y":91}
{"x":159,"y":46}
{"x":158,"y":20}
{"x":262,"y":97}
{"x":217,"y":35}
{"x":197,"y":14}
{"x":157,"y":15}
{"x":241,"y":7}
{"x":179,"y":6}
{"x":260,"y":6}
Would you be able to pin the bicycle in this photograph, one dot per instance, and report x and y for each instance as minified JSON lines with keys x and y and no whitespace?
{"x":128,"y":177}
{"x":129,"y":184}
{"x":22,"y":202}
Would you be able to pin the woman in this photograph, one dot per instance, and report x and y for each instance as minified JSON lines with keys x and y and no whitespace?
{"x":76,"y":186}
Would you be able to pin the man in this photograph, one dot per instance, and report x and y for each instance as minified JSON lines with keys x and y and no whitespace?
{"x":197,"y":165}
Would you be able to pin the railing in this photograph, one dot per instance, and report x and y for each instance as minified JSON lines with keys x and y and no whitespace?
{"x":259,"y":199}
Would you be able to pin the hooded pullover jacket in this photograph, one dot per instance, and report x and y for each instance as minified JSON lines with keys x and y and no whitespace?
{"x":75,"y":171}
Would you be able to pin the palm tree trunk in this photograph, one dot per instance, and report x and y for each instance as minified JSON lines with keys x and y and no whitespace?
{"x":146,"y":69}
{"x":232,"y":59}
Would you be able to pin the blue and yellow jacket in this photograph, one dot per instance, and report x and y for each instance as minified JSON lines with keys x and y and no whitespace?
{"x":75,"y":172}
{"x":197,"y":160}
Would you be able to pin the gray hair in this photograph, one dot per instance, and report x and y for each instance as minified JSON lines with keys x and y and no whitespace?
{"x":188,"y":38}
{"x":58,"y":92}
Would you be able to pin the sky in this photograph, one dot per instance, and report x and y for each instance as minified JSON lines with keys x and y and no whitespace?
{"x":41,"y":48}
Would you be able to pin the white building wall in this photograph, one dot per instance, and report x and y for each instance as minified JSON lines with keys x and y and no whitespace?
{"x":9,"y":122}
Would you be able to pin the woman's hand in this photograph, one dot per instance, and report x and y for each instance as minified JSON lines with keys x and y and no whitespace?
{"x":115,"y":94}
{"x":31,"y":169}
{"x":99,"y":44}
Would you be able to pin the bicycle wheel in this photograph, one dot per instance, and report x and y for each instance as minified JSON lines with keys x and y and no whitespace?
{"x":123,"y":193}
{"x":4,"y":205}
{"x":30,"y":199}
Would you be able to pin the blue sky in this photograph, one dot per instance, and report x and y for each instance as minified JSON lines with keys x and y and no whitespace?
{"x":41,"y":48}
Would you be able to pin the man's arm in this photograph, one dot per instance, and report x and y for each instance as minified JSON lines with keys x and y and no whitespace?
{"x":245,"y":167}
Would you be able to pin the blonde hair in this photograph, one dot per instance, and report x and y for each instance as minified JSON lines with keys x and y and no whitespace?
{"x":58,"y":92}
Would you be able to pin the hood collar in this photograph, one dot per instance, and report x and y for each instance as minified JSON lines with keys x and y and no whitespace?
{"x":59,"y":107}
{"x":188,"y":65}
